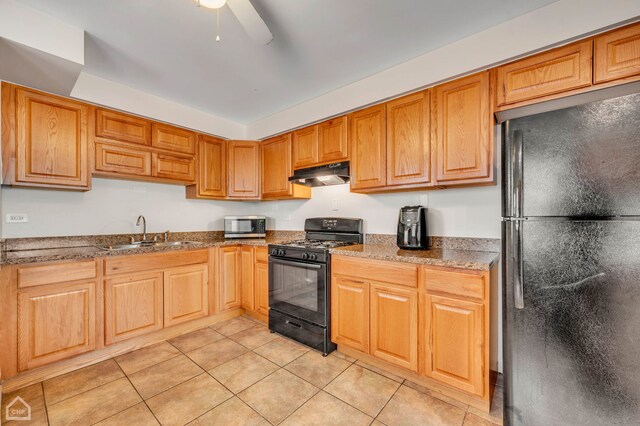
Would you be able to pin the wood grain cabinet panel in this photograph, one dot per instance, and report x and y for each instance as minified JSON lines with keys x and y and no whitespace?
{"x":173,"y":138}
{"x":51,"y":141}
{"x":185,"y":294}
{"x":262,"y":288}
{"x":133,"y":306}
{"x":368,"y":136}
{"x":617,"y":54}
{"x":55,"y":322}
{"x":394,"y":325}
{"x":248,"y":277}
{"x":122,"y":127}
{"x":463,"y":130}
{"x":55,"y":272}
{"x":332,"y":140}
{"x":173,"y":167}
{"x":230,"y":282}
{"x":243,"y":169}
{"x":276,"y":166}
{"x":211,"y":180}
{"x":121,"y":160}
{"x":455,"y":348}
{"x":305,"y":147}
{"x":555,"y":71}
{"x":408,"y":140}
{"x":350,"y":312}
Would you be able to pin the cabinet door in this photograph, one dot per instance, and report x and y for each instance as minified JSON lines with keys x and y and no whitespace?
{"x":244,"y":169}
{"x":185,"y":294}
{"x":212,"y":167}
{"x":173,"y":138}
{"x":172,"y":167}
{"x":132,"y":306}
{"x":617,"y":54}
{"x":408,"y":140}
{"x":350,"y":312}
{"x":51,"y":140}
{"x":55,"y":322}
{"x":121,"y":160}
{"x":230,"y":278}
{"x":394,"y":325}
{"x":276,"y":166}
{"x":122,"y":127}
{"x":551,"y":72}
{"x":454,"y":344}
{"x":464,"y":131}
{"x":368,"y":136}
{"x":247,"y":277}
{"x":305,"y":147}
{"x":332,"y":140}
{"x":262,"y":288}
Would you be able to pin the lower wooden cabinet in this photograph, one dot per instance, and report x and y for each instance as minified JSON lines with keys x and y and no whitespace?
{"x":350,"y":312}
{"x":230,"y":278}
{"x":262,"y":288}
{"x":133,"y":305}
{"x":185,"y":294}
{"x":248,"y":277}
{"x":55,"y":322}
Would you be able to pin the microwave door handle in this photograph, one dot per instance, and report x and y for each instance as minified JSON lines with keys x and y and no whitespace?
{"x":298,"y":264}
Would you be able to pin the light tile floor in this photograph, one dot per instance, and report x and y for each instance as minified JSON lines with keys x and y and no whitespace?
{"x":238,"y":373}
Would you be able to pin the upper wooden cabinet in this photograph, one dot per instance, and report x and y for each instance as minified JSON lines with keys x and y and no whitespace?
{"x":368,"y":135}
{"x":305,"y":147}
{"x":408,"y":140}
{"x":122,"y":127}
{"x":211,"y":179}
{"x":332,"y":140}
{"x":173,"y":167}
{"x":463,"y":130}
{"x":555,"y":71}
{"x":45,"y":140}
{"x":617,"y":54}
{"x":121,"y":160}
{"x":173,"y":138}
{"x":243,"y":169}
{"x":276,"y":170}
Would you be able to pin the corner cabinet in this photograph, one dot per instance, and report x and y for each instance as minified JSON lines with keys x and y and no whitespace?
{"x":276,"y":169}
{"x":243,"y":170}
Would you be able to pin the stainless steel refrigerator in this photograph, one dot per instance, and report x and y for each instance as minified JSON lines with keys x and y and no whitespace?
{"x":571,"y":265}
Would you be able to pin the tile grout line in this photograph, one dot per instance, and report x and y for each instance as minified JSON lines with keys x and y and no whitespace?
{"x":387,"y":403}
{"x":134,"y":388}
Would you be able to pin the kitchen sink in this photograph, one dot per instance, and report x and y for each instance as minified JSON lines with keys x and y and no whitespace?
{"x":141,"y":244}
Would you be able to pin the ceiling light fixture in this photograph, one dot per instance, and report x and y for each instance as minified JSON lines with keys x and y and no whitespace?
{"x":216,"y":5}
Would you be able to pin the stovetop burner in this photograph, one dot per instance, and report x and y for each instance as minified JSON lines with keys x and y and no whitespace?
{"x":321,"y":244}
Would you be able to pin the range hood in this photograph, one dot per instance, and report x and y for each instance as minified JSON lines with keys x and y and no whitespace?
{"x":329,"y":174}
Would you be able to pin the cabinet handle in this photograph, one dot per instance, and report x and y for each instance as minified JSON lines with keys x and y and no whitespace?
{"x":293,"y":324}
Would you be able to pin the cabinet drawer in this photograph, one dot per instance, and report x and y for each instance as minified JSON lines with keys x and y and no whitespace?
{"x":460,"y":284}
{"x":29,"y":276}
{"x":262,"y":254}
{"x":117,"y":159}
{"x":172,"y":167}
{"x":148,"y":262}
{"x":377,"y":270}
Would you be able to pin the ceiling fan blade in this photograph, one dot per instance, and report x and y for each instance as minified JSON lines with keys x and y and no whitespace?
{"x":251,"y":21}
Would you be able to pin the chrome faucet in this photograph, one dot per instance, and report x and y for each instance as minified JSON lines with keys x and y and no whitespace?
{"x":144,"y":227}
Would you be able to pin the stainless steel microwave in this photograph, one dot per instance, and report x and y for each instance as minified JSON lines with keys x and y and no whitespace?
{"x":245,"y":226}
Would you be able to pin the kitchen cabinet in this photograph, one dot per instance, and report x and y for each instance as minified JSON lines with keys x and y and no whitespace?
{"x":243,"y":170}
{"x":55,"y":322}
{"x":262,"y":286}
{"x":116,"y":126}
{"x":617,"y":54}
{"x":276,"y":170}
{"x":332,"y":140}
{"x":45,"y":140}
{"x":463,"y":130}
{"x":121,"y":161}
{"x":367,"y":133}
{"x":305,"y":147}
{"x":211,"y":179}
{"x":247,"y":277}
{"x":173,"y":138}
{"x":230,"y":278}
{"x":558,"y":70}
{"x":350,"y":312}
{"x":185,"y":294}
{"x":133,"y":306}
{"x":173,"y":167}
{"x":408,"y":140}
{"x":394,"y":325}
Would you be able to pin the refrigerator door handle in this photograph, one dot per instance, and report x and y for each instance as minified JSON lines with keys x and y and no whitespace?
{"x":518,"y":275}
{"x":516,"y":171}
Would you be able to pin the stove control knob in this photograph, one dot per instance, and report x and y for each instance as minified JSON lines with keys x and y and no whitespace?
{"x":280,"y":252}
{"x":274,"y":252}
{"x":313,"y":256}
{"x":305,"y":256}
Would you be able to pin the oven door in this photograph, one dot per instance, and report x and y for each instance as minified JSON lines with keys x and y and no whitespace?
{"x":298,"y":289}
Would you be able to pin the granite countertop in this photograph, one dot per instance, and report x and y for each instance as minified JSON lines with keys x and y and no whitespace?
{"x":466,"y":259}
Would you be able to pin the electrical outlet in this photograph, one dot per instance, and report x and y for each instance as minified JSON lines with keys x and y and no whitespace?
{"x":17,"y":218}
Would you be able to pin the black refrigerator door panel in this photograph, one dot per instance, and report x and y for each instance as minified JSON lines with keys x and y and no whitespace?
{"x":582,"y":161}
{"x":572,"y":353}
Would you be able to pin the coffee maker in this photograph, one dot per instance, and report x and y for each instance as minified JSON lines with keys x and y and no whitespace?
{"x":412,"y":228}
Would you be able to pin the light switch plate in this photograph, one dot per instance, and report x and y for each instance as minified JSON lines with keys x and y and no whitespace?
{"x":17,"y":218}
{"x":334,"y":205}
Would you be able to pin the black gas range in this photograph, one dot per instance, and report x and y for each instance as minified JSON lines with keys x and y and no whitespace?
{"x":299,"y":276}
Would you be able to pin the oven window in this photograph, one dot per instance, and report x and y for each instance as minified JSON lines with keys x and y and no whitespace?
{"x":296,"y":285}
{"x":238,"y":225}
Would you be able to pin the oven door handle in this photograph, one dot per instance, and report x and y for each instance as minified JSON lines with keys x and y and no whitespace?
{"x":298,"y":264}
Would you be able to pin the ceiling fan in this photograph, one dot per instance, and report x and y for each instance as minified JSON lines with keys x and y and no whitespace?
{"x":247,"y":16}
